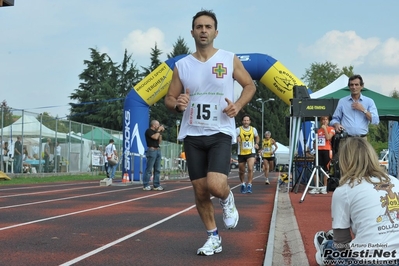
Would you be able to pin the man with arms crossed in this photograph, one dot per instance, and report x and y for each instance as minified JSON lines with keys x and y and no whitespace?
{"x":248,"y":141}
{"x":202,"y":88}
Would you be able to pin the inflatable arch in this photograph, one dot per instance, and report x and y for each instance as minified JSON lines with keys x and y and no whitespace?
{"x":153,"y":87}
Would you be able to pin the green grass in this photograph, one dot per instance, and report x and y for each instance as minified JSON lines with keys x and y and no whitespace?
{"x":34,"y":179}
{"x":26,"y":179}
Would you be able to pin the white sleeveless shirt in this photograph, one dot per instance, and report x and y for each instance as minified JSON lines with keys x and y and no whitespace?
{"x":209,"y":83}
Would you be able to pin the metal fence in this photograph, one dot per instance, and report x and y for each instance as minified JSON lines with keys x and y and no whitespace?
{"x":74,"y":147}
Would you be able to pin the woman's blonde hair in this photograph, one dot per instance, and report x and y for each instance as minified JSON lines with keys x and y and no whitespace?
{"x":357,"y":161}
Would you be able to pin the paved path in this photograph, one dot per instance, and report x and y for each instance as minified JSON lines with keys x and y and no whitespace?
{"x":288,"y":248}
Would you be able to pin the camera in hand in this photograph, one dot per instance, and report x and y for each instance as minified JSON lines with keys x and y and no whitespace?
{"x":341,"y":135}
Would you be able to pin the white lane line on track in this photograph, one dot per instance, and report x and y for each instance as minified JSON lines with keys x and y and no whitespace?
{"x":91,"y":209}
{"x":66,"y":198}
{"x":111,"y":244}
{"x":34,"y":186}
{"x":44,"y":192}
{"x":93,"y":252}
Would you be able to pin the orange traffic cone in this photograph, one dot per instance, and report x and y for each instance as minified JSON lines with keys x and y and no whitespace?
{"x":125,"y":178}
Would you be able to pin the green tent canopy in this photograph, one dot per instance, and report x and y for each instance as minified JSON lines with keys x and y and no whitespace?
{"x":388,"y":107}
{"x":69,"y":138}
{"x":101,"y":137}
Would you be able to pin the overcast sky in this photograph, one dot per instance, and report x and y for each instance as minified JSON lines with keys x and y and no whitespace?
{"x":44,"y":42}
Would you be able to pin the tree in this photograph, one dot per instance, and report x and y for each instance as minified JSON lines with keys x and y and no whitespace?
{"x":155,"y":62}
{"x":180,"y":47}
{"x":5,"y":114}
{"x":52,"y":123}
{"x":379,"y":134}
{"x":93,"y":90}
{"x":103,"y":88}
{"x":320,"y":75}
{"x":394,"y":94}
{"x":128,"y":74}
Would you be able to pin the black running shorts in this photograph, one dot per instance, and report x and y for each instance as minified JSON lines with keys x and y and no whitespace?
{"x":207,"y":154}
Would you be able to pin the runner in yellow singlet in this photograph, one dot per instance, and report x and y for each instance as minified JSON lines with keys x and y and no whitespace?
{"x":268,"y":154}
{"x":248,"y":143}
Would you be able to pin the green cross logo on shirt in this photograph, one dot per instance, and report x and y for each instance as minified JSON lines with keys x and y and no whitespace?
{"x":219,"y":70}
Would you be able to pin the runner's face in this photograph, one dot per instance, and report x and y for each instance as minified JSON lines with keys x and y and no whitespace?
{"x":246,"y":121}
{"x":204,"y":31}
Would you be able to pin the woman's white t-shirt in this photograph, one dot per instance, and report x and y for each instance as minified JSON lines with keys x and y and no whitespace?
{"x":372,"y":212}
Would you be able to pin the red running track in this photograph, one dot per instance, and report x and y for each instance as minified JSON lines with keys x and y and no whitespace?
{"x":312,"y":215}
{"x":82,"y":223}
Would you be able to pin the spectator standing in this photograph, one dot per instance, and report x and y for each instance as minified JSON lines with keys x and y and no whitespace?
{"x":1,"y":146}
{"x":153,"y":137}
{"x":110,"y":151}
{"x":203,"y":83}
{"x":5,"y":153}
{"x":248,"y":143}
{"x":57,"y":162}
{"x":47,"y":156}
{"x":18,"y":155}
{"x":355,"y":112}
{"x":104,"y":154}
{"x":1,"y":153}
{"x":324,"y":151}
{"x":269,"y":147}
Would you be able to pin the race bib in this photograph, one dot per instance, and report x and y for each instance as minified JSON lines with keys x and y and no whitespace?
{"x":321,"y":142}
{"x":204,"y":114}
{"x":247,"y":145}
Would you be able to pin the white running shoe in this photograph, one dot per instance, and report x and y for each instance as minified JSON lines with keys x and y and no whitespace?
{"x":319,"y":239}
{"x":230,"y":213}
{"x":323,"y":190}
{"x":314,"y":191}
{"x":330,"y":234}
{"x":212,"y":245}
{"x":158,"y":188}
{"x":147,"y":188}
{"x":267,"y":182}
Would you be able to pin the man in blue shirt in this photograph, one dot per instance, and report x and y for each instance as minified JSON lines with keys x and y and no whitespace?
{"x":355,"y":112}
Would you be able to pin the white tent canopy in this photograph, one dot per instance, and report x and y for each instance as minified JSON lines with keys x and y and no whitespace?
{"x":29,"y":126}
{"x":337,"y":84}
{"x":282,"y":154}
{"x":77,"y":150}
{"x":282,"y":148}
